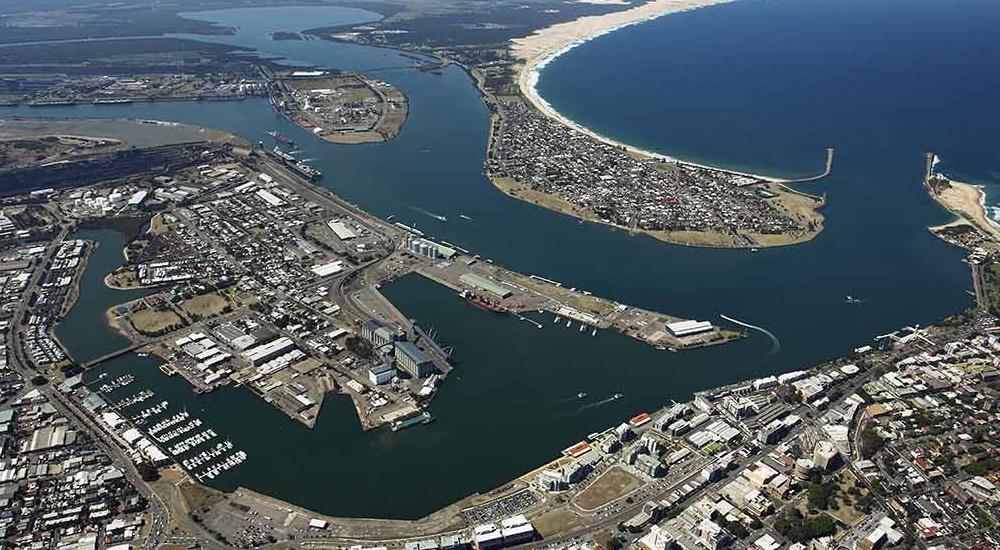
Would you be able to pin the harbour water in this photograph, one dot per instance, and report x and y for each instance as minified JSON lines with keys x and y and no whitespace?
{"x":511,"y":404}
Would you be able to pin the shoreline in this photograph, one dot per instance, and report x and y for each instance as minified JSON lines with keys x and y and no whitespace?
{"x":697,"y":239}
{"x":968,"y":203}
{"x":537,"y":50}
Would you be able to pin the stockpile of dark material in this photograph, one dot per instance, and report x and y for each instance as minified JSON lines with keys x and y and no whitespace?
{"x":91,"y":169}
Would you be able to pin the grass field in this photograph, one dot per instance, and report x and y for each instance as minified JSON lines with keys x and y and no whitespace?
{"x":206,"y":305}
{"x":148,"y":321}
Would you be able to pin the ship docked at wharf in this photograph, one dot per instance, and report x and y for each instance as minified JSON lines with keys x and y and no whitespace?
{"x":482,"y":303}
{"x":300,"y":167}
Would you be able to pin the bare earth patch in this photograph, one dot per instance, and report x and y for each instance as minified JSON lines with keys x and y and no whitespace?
{"x":612,"y":484}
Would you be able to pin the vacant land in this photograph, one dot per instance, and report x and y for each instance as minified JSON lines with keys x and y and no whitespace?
{"x":150,"y":321}
{"x":206,"y":305}
{"x":612,"y":484}
{"x":555,"y":522}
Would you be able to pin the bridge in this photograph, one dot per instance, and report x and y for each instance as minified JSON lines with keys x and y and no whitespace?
{"x":115,"y":354}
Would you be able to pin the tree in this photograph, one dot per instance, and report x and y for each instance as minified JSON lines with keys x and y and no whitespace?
{"x":148,"y":471}
{"x":871,"y":442}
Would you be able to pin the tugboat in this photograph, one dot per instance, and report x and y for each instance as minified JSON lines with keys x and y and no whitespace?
{"x":280,"y":138}
{"x":483,"y":303}
{"x":581,"y":395}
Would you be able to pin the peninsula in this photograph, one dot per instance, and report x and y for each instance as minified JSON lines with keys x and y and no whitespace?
{"x":537,"y":155}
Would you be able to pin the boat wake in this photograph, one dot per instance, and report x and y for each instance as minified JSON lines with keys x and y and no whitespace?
{"x":593,"y":405}
{"x":573,"y":399}
{"x":438,"y":217}
{"x":775,"y":344}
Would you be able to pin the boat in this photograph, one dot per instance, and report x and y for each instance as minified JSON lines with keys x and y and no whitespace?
{"x":568,"y":323}
{"x":422,"y":418}
{"x":283,"y":155}
{"x":852,"y":300}
{"x":168,"y":370}
{"x":581,"y":395}
{"x":583,"y":327}
{"x":464,"y":217}
{"x":305,"y":171}
{"x":619,"y":395}
{"x":484,"y":304}
{"x":593,"y":332}
{"x":280,"y":138}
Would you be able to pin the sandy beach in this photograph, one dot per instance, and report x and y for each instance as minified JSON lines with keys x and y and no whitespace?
{"x":537,"y":50}
{"x":968,"y":202}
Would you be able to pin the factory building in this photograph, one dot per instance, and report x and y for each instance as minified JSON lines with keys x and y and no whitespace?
{"x":688,"y":328}
{"x":413,"y":360}
{"x":378,"y":334}
{"x":482,"y":284}
{"x":381,"y":374}
{"x":265,"y":352}
{"x":429,"y":249}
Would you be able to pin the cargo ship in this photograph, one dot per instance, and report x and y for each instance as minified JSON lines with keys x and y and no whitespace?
{"x":305,"y":171}
{"x":280,"y":138}
{"x":422,"y":418}
{"x":284,"y":156}
{"x":483,"y":303}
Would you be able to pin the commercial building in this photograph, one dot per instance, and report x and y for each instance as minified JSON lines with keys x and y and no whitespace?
{"x":649,"y":465}
{"x":825,"y":456}
{"x":413,"y":360}
{"x":657,"y":539}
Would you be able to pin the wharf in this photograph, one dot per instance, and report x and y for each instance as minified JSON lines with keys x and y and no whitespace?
{"x":526,"y":294}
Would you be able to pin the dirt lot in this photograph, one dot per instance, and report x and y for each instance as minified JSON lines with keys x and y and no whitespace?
{"x":612,"y":484}
{"x":557,"y":521}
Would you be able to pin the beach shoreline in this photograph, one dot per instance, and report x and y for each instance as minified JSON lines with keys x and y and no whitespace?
{"x":537,"y":50}
{"x":968,"y":203}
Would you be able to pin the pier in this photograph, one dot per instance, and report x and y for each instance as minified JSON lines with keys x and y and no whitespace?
{"x":826,"y":171}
